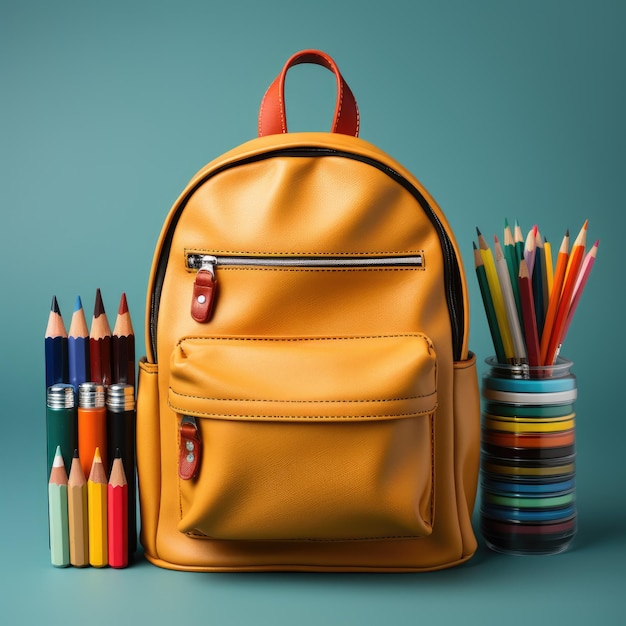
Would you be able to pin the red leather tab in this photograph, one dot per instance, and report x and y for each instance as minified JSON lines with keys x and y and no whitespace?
{"x":272,"y":115}
{"x":190,"y":450}
{"x":204,"y":290}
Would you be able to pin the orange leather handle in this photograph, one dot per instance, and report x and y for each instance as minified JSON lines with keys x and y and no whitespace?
{"x":272,"y":116}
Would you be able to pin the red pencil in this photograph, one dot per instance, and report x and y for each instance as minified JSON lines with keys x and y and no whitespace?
{"x":100,"y":344}
{"x":117,"y":508}
{"x":528,"y":315}
{"x":123,"y":346}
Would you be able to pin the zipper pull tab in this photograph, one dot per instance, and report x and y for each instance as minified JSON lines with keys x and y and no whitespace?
{"x":190,"y":448}
{"x":204,"y":291}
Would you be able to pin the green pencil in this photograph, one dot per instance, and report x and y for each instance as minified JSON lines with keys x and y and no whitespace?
{"x":488,"y":303}
{"x":57,"y":510}
{"x":510,"y":254}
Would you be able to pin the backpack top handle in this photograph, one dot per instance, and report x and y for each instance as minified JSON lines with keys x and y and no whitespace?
{"x":272,"y":115}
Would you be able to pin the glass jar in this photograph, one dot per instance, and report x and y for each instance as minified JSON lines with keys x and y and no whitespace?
{"x":528,"y":501}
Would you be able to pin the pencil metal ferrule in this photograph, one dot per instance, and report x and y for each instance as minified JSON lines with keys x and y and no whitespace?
{"x":61,"y":396}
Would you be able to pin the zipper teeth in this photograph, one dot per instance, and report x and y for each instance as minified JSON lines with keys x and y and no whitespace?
{"x":196,"y":261}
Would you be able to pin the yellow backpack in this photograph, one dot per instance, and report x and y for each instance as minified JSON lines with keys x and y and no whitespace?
{"x":307,"y":401}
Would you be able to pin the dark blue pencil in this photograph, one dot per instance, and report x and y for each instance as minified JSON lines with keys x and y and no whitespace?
{"x":538,"y":279}
{"x":56,"y":347}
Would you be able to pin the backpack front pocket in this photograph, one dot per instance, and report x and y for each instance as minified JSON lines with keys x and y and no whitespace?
{"x":316,"y":438}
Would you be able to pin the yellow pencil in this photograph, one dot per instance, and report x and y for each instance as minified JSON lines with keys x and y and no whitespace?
{"x":78,"y":514}
{"x":97,"y":506}
{"x":496,"y":295}
{"x":547,"y":248}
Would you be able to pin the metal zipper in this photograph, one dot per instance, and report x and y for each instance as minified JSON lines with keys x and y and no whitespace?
{"x":197,"y":261}
{"x":452,"y":273}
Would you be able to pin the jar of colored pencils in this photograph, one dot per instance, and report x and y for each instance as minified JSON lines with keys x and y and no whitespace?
{"x":528,"y":501}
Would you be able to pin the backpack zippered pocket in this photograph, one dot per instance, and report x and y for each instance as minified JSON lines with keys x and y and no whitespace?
{"x":205,"y":266}
{"x":336,"y":434}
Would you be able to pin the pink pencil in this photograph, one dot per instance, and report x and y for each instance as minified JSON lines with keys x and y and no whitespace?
{"x":530,"y":249}
{"x":581,"y":281}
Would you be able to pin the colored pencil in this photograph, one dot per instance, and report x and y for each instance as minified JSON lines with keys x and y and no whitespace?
{"x":547,"y":248}
{"x":530,"y":249}
{"x":496,"y":294}
{"x":538,"y":280}
{"x":117,"y":502}
{"x":57,"y":513}
{"x":581,"y":281}
{"x":92,"y":424}
{"x":78,"y":346}
{"x":61,"y":420}
{"x":528,"y":316}
{"x":78,"y":515}
{"x":121,"y":435}
{"x":488,"y":304}
{"x":571,"y":273}
{"x":512,"y":261}
{"x":509,"y":304}
{"x":519,"y":242}
{"x":56,"y":347}
{"x":555,"y":295}
{"x":97,"y":508}
{"x":123,"y":346}
{"x":100,"y":344}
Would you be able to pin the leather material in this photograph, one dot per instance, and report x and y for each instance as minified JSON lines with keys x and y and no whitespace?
{"x":339,"y":432}
{"x":204,"y":292}
{"x":273,"y":116}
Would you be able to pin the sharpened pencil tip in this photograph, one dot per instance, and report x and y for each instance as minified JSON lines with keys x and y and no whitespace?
{"x":123,"y":308}
{"x":58,"y":458}
{"x":78,"y":304}
{"x":54,"y":307}
{"x":98,"y":308}
{"x":474,"y":245}
{"x":478,"y":232}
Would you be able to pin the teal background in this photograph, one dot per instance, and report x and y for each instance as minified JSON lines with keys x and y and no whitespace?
{"x":501,"y":108}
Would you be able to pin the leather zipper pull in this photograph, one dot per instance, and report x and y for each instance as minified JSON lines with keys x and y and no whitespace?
{"x":204,"y":291}
{"x":190,"y":448}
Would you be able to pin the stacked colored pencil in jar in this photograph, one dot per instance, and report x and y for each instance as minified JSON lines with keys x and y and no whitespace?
{"x":530,"y":303}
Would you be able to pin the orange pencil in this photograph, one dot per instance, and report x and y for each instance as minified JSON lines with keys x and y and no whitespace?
{"x":571,"y":274}
{"x":117,"y":499}
{"x":92,"y":424}
{"x":100,"y":344}
{"x":555,"y":295}
{"x":123,"y":346}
